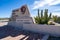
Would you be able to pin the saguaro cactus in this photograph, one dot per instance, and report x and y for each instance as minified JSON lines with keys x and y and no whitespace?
{"x":46,"y":16}
{"x":43,"y":19}
{"x":50,"y":15}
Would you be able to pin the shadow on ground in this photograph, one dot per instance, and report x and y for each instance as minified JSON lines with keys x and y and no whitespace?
{"x":6,"y":31}
{"x":53,"y":38}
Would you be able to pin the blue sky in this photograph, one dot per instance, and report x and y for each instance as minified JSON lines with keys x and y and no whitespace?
{"x":6,"y":6}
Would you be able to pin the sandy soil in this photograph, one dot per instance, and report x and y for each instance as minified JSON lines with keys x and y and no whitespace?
{"x":3,"y":23}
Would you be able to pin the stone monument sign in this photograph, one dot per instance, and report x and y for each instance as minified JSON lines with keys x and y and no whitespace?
{"x":21,"y":15}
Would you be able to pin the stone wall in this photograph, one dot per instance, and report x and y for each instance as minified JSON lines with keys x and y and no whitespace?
{"x":45,"y":29}
{"x":15,"y":24}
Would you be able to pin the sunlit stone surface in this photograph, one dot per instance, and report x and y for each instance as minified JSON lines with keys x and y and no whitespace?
{"x":21,"y":15}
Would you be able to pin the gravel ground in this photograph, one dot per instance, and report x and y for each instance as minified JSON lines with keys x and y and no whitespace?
{"x":12,"y":33}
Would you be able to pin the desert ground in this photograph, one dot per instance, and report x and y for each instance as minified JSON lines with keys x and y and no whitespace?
{"x":12,"y":33}
{"x":3,"y":23}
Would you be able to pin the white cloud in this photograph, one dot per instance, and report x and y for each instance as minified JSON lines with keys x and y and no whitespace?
{"x":47,"y":4}
{"x":42,"y":3}
{"x":55,"y":2}
{"x":38,"y":4}
{"x":56,"y":13}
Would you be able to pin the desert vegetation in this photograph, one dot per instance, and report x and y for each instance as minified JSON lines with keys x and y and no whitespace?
{"x":43,"y":17}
